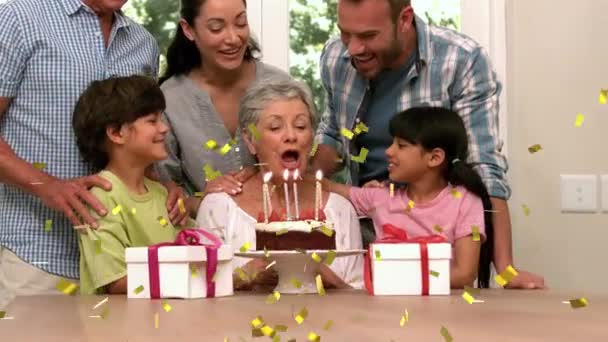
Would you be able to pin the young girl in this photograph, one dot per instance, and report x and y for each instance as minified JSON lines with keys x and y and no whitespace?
{"x":442,"y":194}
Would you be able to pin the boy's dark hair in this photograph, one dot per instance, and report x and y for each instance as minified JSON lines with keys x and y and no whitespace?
{"x":430,"y":128}
{"x":112,"y":103}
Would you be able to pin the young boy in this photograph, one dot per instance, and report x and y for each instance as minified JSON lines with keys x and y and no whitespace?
{"x":119,"y":130}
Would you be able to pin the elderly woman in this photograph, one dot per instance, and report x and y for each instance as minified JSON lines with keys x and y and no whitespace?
{"x":283,"y":114}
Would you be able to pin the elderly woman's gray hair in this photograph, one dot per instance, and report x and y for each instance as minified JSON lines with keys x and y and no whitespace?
{"x":268,"y":91}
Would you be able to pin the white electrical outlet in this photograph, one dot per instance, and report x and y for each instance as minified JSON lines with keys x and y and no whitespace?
{"x":579,"y":193}
{"x":605,"y":193}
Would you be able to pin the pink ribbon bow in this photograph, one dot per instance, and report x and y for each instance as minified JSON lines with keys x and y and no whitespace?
{"x":186,"y":237}
{"x":393,"y":234}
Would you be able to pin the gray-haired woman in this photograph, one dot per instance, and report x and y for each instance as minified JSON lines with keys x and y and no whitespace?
{"x":277,"y":121}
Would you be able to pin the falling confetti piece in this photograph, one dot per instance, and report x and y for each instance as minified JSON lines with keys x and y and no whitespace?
{"x":404,"y":318}
{"x":266,"y":252}
{"x":48,"y":225}
{"x":331,"y":256}
{"x":117,"y":209}
{"x":313,"y":151}
{"x":534,"y":148}
{"x":102,"y":302}
{"x":257,"y":322}
{"x":438,"y":229}
{"x":280,"y":328}
{"x":245,"y":247}
{"x":446,"y":334}
{"x":526,"y":210}
{"x":301,"y":316}
{"x":134,"y":211}
{"x":411,"y":205}
{"x":256,"y":333}
{"x":282,"y":231}
{"x":313,"y":337}
{"x":361,"y":157}
{"x":211,"y":144}
{"x":193,"y":270}
{"x":578,"y":303}
{"x":182,"y":207}
{"x":163,"y":222}
{"x":434,"y":273}
{"x":580,"y":120}
{"x":320,"y":288}
{"x":273,"y":298}
{"x":267,"y":331}
{"x":328,"y":325}
{"x":391,"y":190}
{"x":476,"y":235}
{"x":274,"y":262}
{"x":167,"y":307}
{"x":255,"y":133}
{"x":225,"y":149}
{"x":199,"y":194}
{"x":156,"y":320}
{"x":603,"y":98}
{"x":66,"y":287}
{"x":361,"y":128}
{"x":138,"y":289}
{"x":456,"y":193}
{"x":378,"y":257}
{"x":39,"y":166}
{"x":347,"y":133}
{"x":242,"y":274}
{"x":506,"y":276}
{"x":210,"y":174}
{"x":327,"y":231}
{"x":468,"y":297}
{"x":296,"y":283}
{"x":2,"y":314}
{"x":316,"y":257}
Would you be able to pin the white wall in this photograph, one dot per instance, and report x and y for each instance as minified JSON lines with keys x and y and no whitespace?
{"x":557,"y":63}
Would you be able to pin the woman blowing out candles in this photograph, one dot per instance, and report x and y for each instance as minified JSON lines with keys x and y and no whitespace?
{"x":277,"y":122}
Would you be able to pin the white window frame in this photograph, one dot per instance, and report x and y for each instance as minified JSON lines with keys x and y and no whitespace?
{"x":483,"y":20}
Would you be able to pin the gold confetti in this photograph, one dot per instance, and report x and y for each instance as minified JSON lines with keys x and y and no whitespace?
{"x":200,"y":194}
{"x":267,"y":331}
{"x":271,"y":264}
{"x":273,"y":298}
{"x":468,"y":297}
{"x":361,"y":157}
{"x":526,"y":210}
{"x":193,"y":270}
{"x":378,"y":257}
{"x":156,"y":320}
{"x":320,"y":288}
{"x":39,"y":166}
{"x":210,"y":174}
{"x":404,"y":318}
{"x":313,"y":337}
{"x":580,"y":120}
{"x":361,"y":128}
{"x":163,"y":222}
{"x":167,"y":307}
{"x":182,"y":207}
{"x":438,"y":229}
{"x":331,"y":256}
{"x":2,"y":314}
{"x":313,"y":151}
{"x":211,"y":144}
{"x":411,"y":205}
{"x":242,"y":274}
{"x":316,"y":257}
{"x":225,"y":149}
{"x":266,"y":252}
{"x":134,"y":211}
{"x":256,"y":333}
{"x":66,"y":287}
{"x":327,"y":231}
{"x":434,"y":273}
{"x":257,"y":322}
{"x":138,"y":289}
{"x":117,"y":209}
{"x":347,"y":133}
{"x":245,"y":247}
{"x":578,"y":303}
{"x":280,"y":328}
{"x":296,"y":283}
{"x":255,"y":133}
{"x":301,"y":316}
{"x":48,"y":225}
{"x":456,"y":193}
{"x":534,"y":148}
{"x":282,"y":231}
{"x":603,"y":98}
{"x":476,"y":235}
{"x":232,"y":142}
{"x":506,"y":276}
{"x":391,"y":190}
{"x":446,"y":334}
{"x":328,"y":325}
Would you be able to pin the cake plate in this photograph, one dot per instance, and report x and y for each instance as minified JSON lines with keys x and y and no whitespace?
{"x":297,"y":265}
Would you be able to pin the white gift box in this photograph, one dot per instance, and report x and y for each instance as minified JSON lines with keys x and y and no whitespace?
{"x":398,"y":270}
{"x":182,"y":272}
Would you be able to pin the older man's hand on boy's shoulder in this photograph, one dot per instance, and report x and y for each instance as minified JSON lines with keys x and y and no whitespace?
{"x":72,"y":197}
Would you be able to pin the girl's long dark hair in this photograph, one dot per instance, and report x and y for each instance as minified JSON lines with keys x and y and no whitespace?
{"x":432,"y":128}
{"x":182,"y":53}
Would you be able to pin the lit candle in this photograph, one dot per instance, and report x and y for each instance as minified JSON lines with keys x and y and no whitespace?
{"x":319,"y":177}
{"x":296,"y":175}
{"x":286,"y":188}
{"x":266,"y":196}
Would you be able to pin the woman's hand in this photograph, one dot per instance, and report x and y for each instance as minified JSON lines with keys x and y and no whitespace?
{"x":231,"y":183}
{"x":527,"y":281}
{"x":260,"y":278}
{"x":331,"y":280}
{"x":374,"y":184}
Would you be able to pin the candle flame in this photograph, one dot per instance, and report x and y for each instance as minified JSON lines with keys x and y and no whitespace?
{"x":319,"y":175}
{"x":296,"y":174}
{"x":267,"y":177}
{"x":286,"y":174}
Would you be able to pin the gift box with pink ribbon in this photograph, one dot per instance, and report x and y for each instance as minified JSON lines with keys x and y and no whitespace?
{"x":399,"y":265}
{"x":195,"y":265}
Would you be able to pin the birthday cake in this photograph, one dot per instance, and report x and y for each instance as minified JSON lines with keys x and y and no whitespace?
{"x":291,"y":235}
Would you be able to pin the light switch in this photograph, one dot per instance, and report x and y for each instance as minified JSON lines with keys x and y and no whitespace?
{"x":605,"y":193}
{"x":579,"y":193}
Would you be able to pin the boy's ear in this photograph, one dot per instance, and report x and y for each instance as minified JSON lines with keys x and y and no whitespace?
{"x":436,"y":157}
{"x":116,"y":134}
{"x":249,"y":141}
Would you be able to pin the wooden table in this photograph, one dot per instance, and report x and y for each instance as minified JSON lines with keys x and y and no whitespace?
{"x":504,"y":316}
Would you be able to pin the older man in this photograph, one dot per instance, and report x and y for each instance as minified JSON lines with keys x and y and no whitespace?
{"x":49,"y":52}
{"x":387,"y":60}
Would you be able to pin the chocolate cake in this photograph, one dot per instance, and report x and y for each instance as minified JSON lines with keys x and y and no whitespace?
{"x":291,"y":235}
